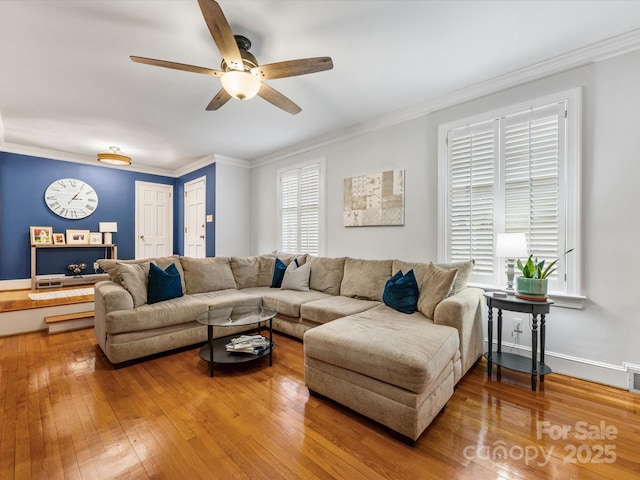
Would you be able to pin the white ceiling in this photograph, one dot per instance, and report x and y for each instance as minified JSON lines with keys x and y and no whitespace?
{"x":67,"y":84}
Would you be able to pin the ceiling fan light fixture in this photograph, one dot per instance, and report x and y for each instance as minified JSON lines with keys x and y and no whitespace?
{"x":114,"y":157}
{"x":241,"y":85}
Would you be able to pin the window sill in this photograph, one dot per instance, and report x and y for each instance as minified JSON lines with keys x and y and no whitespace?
{"x":562,"y":300}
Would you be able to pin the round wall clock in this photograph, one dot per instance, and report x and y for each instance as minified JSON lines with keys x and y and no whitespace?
{"x":71,"y":198}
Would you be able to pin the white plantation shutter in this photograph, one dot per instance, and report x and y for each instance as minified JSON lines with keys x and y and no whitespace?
{"x":533,"y":156}
{"x":300,"y":210}
{"x":508,"y":174}
{"x":471,"y":196}
{"x":289,"y":211}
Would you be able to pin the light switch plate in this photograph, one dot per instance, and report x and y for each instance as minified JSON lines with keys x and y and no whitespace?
{"x":209,"y":218}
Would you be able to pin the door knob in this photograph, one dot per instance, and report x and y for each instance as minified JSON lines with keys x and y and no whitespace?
{"x":201,"y":236}
{"x":141,"y":237}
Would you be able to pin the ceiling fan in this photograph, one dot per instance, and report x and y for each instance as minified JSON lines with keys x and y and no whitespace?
{"x":241,"y":75}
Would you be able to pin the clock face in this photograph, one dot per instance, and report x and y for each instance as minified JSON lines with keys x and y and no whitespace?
{"x":71,"y":198}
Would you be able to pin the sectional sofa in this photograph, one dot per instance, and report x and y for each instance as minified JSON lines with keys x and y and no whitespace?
{"x":397,"y":368}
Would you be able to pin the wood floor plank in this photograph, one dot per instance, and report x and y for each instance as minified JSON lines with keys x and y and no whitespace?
{"x":66,"y":413}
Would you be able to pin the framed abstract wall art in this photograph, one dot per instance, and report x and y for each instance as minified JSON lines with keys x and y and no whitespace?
{"x":374,"y":200}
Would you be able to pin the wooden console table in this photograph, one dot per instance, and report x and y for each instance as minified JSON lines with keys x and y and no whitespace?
{"x":510,"y":360}
{"x":68,"y":280}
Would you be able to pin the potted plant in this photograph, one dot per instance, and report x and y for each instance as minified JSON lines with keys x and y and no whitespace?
{"x":532,"y":285}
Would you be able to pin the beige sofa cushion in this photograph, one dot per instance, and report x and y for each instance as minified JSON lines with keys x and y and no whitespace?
{"x":134,"y":277}
{"x":296,"y":277}
{"x":328,"y":309}
{"x":326,"y":274}
{"x":407,"y":351}
{"x":176,"y":311}
{"x":256,"y":271}
{"x":365,"y":279}
{"x":465,"y":269}
{"x":435,"y":287}
{"x":207,"y":274}
{"x":288,"y":302}
{"x":228,"y":298}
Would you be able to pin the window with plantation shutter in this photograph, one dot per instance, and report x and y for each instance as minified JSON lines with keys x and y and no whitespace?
{"x":300,"y":209}
{"x":513,"y":171}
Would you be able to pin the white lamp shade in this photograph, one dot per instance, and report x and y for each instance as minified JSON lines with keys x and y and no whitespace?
{"x":241,"y":85}
{"x":511,"y":245}
{"x":108,"y":226}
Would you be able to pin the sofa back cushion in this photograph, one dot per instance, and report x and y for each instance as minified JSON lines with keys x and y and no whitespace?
{"x":434,"y":287}
{"x":326,"y":274}
{"x":464,"y":271}
{"x":365,"y":279}
{"x":256,"y":271}
{"x":134,"y":277}
{"x":207,"y":274}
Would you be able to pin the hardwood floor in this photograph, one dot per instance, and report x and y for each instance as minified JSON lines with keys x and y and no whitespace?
{"x":66,"y":413}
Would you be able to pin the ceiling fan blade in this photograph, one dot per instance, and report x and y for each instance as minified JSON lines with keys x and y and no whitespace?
{"x":221,"y":33}
{"x":177,"y":66}
{"x":279,"y":100}
{"x":291,"y":68}
{"x":219,"y":100}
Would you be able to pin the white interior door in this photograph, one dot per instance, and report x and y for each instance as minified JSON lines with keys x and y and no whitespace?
{"x":154,"y":220}
{"x":195,"y":201}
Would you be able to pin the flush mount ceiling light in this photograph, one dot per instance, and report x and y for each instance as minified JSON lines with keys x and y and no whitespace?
{"x":114,"y":157}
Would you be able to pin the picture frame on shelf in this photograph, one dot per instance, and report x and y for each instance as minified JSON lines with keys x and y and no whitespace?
{"x":58,"y":239}
{"x":78,"y":237}
{"x":41,"y":235}
{"x":95,"y":238}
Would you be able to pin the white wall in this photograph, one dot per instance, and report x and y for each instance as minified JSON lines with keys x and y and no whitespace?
{"x":233,"y":210}
{"x":399,"y":147}
{"x":597,"y":342}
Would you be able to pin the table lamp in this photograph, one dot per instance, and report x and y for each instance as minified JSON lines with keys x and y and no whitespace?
{"x":511,"y":246}
{"x":108,"y":228}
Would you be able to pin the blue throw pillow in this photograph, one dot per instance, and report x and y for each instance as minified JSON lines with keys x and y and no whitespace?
{"x":278,"y":273}
{"x":401,"y":292}
{"x":163,"y":284}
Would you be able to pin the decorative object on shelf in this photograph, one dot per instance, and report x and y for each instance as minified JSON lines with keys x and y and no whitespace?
{"x":58,"y":239}
{"x":511,"y":246}
{"x":71,"y":198}
{"x":114,"y":157}
{"x":108,"y":228}
{"x":533,"y":283}
{"x":78,"y":237}
{"x":76,"y":268}
{"x":95,"y":238}
{"x":376,"y":199}
{"x":41,"y":235}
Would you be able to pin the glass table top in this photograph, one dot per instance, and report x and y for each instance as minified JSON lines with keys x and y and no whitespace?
{"x":236,"y":316}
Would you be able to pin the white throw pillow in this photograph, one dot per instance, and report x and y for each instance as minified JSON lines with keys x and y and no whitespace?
{"x":296,"y":278}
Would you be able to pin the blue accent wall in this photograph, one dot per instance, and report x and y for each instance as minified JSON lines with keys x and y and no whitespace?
{"x":23,"y":180}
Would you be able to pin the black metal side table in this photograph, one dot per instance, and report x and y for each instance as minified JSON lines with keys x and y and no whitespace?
{"x":511,"y":360}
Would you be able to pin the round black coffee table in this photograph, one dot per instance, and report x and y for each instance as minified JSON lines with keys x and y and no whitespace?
{"x":214,"y":351}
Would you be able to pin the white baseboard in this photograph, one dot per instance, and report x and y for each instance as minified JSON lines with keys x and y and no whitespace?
{"x":20,"y":284}
{"x":583,"y":368}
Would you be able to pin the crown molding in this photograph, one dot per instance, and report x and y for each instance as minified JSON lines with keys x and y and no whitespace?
{"x":593,"y":53}
{"x":75,"y":158}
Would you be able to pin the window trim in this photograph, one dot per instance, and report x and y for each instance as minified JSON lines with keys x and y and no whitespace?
{"x":572,"y":182}
{"x":321,"y":162}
